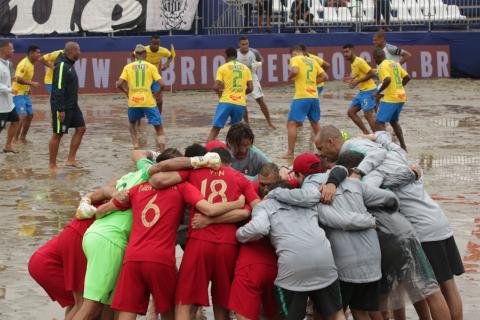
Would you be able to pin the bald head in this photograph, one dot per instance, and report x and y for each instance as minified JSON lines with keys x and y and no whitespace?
{"x":72,"y":50}
{"x":328,"y":132}
{"x":329,"y":141}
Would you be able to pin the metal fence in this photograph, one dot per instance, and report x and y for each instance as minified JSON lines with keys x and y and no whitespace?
{"x":236,"y":16}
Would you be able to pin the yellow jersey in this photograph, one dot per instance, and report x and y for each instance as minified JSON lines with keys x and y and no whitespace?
{"x":140,"y":76}
{"x":156,"y":58}
{"x":25,"y":71}
{"x":50,"y":58}
{"x":395,"y":92}
{"x":360,"y":68}
{"x":306,"y":79}
{"x":234,"y":76}
{"x":320,"y":62}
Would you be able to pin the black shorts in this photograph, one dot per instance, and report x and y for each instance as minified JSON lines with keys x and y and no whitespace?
{"x":11,"y":116}
{"x":73,"y":119}
{"x":265,"y":7}
{"x":360,"y":296}
{"x":293,"y":304}
{"x":444,"y":258}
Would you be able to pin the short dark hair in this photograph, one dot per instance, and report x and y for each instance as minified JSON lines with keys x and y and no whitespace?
{"x":279,"y":184}
{"x":155,"y":37}
{"x":350,"y":159}
{"x":379,"y":54}
{"x":268,"y":169}
{"x":225,"y":155}
{"x":32,"y":48}
{"x":168,"y":153}
{"x":195,"y":150}
{"x":303,"y":47}
{"x":238,"y":132}
{"x":231,"y":52}
{"x":296,"y":48}
{"x":380,"y":34}
{"x":4,"y":43}
{"x":242,"y":38}
{"x":348,"y":46}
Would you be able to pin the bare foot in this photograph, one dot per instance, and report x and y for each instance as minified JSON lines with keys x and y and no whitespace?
{"x":272,"y":126}
{"x":74,"y":164}
{"x":55,"y":169}
{"x":136,"y":146}
{"x":9,"y":150}
{"x":23,"y":141}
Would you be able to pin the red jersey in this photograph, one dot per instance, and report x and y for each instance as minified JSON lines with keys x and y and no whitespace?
{"x":257,"y":252}
{"x":222,"y":185}
{"x":156,"y":217}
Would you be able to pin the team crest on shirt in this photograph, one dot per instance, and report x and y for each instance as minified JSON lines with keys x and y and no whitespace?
{"x":173,"y":12}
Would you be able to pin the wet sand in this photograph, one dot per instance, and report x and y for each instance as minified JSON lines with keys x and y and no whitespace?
{"x":440,"y":123}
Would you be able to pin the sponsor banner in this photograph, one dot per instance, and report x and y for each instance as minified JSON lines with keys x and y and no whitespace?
{"x":196,"y":69}
{"x":26,"y":17}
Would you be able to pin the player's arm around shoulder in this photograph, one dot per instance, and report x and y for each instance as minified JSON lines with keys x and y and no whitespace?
{"x":257,"y":228}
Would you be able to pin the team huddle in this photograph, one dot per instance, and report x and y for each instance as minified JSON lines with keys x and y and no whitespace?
{"x":350,"y":230}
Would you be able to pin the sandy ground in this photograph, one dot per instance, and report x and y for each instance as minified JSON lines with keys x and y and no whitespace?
{"x":440,"y":122}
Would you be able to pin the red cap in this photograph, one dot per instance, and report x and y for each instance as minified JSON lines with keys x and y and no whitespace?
{"x":215,"y":144}
{"x":307,"y":163}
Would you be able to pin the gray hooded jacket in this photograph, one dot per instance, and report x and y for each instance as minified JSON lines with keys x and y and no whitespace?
{"x":357,"y":253}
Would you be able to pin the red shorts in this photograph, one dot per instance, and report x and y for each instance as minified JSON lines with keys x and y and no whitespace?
{"x":74,"y":260}
{"x":139,"y":279}
{"x":46,"y":268}
{"x":253,"y":287}
{"x":203,"y":262}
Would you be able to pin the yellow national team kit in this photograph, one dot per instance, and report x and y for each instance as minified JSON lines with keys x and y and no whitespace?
{"x":25,"y":70}
{"x":394,"y":95}
{"x":320,"y":62}
{"x":306,"y":79}
{"x":156,"y":58}
{"x":235,"y":77}
{"x":140,"y":75}
{"x":395,"y":92}
{"x":305,"y":103}
{"x":360,"y":68}
{"x":50,"y":58}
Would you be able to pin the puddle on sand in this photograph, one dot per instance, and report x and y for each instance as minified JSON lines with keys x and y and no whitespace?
{"x":35,"y":205}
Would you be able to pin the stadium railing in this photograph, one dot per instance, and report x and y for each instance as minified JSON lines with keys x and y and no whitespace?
{"x":237,"y":16}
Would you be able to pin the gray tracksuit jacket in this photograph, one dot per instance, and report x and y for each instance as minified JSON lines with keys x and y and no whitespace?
{"x":357,"y":253}
{"x":416,"y":205}
{"x":305,"y":260}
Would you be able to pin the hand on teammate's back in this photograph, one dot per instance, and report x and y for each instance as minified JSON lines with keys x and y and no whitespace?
{"x":200,"y":221}
{"x":328,"y":193}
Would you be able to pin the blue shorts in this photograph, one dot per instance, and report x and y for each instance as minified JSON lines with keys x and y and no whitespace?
{"x":319,"y":90}
{"x":302,"y":108}
{"x":365,"y":100}
{"x":49,"y":88}
{"x":151,"y":113}
{"x":389,"y":111}
{"x":225,"y":110}
{"x":23,"y":105}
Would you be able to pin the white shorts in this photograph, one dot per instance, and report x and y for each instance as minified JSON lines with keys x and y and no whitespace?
{"x":257,"y":90}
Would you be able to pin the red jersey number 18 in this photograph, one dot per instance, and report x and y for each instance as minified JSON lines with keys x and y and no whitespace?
{"x":213,"y":190}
